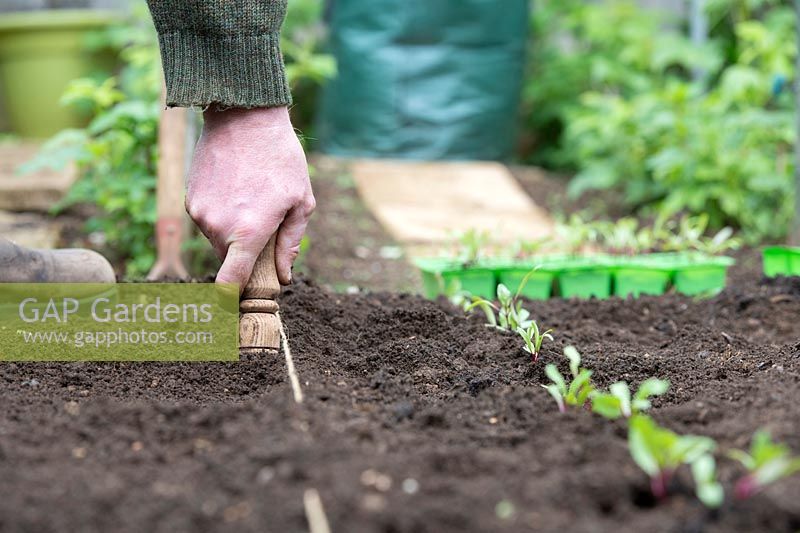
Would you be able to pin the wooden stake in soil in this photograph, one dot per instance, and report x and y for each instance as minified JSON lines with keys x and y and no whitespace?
{"x":259,"y":325}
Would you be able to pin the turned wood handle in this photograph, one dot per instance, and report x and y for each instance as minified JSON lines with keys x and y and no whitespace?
{"x":259,"y":326}
{"x":263,"y":282}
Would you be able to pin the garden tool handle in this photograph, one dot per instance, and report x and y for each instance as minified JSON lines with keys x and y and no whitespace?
{"x":174,"y":147}
{"x":259,"y":325}
{"x":263,"y":283}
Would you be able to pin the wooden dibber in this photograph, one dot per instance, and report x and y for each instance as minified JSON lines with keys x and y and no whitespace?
{"x":259,"y":325}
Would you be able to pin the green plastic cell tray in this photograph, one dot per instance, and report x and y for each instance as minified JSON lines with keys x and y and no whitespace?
{"x":586,"y":277}
{"x":446,"y":277}
{"x":597,"y":276}
{"x":702,"y":277}
{"x":781,"y":261}
{"x":539,"y":284}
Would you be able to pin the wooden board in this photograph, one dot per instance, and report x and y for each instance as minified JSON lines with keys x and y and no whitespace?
{"x":37,"y":191}
{"x":31,"y":230}
{"x":427,"y":203}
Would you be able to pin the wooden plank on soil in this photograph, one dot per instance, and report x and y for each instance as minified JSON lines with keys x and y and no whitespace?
{"x":30,"y":229}
{"x":37,"y":191}
{"x":427,"y":203}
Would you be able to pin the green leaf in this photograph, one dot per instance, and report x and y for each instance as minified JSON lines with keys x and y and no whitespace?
{"x":743,"y":457}
{"x":649,"y":387}
{"x":580,"y":389}
{"x":606,"y":405}
{"x":574,"y":359}
{"x":555,"y":392}
{"x":621,"y":391}
{"x":686,"y":449}
{"x":652,"y":387}
{"x":641,"y":444}
{"x":555,"y":376}
{"x":708,"y":489}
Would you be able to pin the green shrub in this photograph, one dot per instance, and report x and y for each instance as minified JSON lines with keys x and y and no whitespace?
{"x":614,"y":85}
{"x":116,"y":153}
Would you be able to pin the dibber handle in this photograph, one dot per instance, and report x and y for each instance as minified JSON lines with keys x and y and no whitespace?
{"x":259,"y":326}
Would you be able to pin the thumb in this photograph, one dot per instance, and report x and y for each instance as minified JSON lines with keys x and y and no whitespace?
{"x":287,"y":245}
{"x":239,"y":262}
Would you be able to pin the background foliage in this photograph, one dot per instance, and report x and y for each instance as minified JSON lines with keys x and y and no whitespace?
{"x":615,"y":93}
{"x":625,"y":99}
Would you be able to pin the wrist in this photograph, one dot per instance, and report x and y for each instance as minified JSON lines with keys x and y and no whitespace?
{"x":257,"y":117}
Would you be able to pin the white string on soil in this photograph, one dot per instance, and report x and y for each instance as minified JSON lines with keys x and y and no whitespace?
{"x":315,"y":513}
{"x":296,"y":391}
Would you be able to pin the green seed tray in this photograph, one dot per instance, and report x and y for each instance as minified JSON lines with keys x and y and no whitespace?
{"x":598,"y":276}
{"x":781,"y":261}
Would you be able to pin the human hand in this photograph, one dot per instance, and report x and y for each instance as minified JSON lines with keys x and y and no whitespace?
{"x":248,"y":180}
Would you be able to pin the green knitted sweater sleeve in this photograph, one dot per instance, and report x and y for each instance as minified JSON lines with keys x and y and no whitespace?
{"x":224,"y":52}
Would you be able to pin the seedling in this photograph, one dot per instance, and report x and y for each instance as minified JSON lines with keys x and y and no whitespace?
{"x":659,"y":452}
{"x":578,"y":390}
{"x":719,"y":243}
{"x":471,"y":244}
{"x":523,"y":248}
{"x":690,"y":235}
{"x":455,"y":293}
{"x":534,"y":338}
{"x":617,"y":401}
{"x":509,"y":314}
{"x":767,"y":462}
{"x":575,"y":233}
{"x":622,"y":236}
{"x":708,"y":489}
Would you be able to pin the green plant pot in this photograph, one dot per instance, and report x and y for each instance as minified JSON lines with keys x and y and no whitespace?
{"x":777,"y":261}
{"x":794,"y":262}
{"x":585,"y":282}
{"x":538,"y":287}
{"x":637,"y":281}
{"x":702,"y":277}
{"x":40,"y":53}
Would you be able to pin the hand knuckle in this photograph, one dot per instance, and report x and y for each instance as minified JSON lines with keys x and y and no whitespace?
{"x":308,"y":206}
{"x":195,"y":213}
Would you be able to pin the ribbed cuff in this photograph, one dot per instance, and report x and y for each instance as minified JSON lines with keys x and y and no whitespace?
{"x":232,"y":71}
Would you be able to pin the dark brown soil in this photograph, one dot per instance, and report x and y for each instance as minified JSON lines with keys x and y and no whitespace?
{"x":399,"y":389}
{"x":348,"y":248}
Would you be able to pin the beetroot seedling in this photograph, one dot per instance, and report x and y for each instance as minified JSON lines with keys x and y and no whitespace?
{"x":617,"y":402}
{"x":534,"y":338}
{"x":578,"y":391}
{"x":509,"y":315}
{"x":708,"y":489}
{"x":767,"y":462}
{"x":659,"y":452}
{"x":471,"y":246}
{"x":455,"y":293}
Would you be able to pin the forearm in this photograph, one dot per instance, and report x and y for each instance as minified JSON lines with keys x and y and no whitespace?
{"x":224,"y":52}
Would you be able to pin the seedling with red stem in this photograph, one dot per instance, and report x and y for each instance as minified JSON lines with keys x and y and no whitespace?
{"x":659,"y":452}
{"x":579,"y":389}
{"x":617,"y":402}
{"x":534,"y":338}
{"x":766,"y":462}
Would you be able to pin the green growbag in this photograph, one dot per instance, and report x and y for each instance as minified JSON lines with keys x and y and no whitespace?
{"x":424,"y":80}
